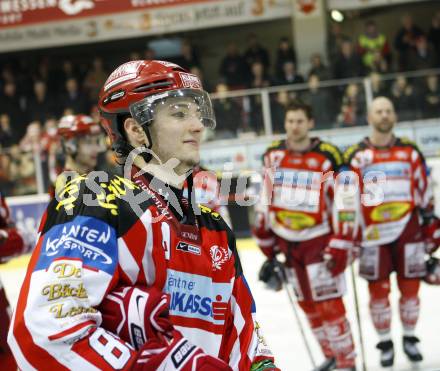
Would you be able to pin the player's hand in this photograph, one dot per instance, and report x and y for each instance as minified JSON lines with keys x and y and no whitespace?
{"x":272,"y":274}
{"x":431,"y":232}
{"x":336,"y":255}
{"x":179,"y":354}
{"x":137,"y":314}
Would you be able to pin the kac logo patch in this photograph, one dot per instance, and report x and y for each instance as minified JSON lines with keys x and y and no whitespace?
{"x":219,"y":256}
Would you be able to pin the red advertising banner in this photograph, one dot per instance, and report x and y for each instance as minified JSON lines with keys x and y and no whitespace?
{"x":31,"y":24}
{"x":27,"y":12}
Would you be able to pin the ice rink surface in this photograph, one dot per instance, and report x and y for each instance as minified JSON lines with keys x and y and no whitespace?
{"x":281,"y":330}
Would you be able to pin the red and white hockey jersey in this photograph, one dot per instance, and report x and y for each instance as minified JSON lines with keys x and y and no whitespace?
{"x":297,"y":196}
{"x":393,"y":183}
{"x":119,"y":233}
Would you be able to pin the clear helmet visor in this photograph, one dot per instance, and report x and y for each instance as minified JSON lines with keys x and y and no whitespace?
{"x":179,"y":104}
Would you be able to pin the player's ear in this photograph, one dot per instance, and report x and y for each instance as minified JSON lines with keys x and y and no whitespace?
{"x":135,"y":134}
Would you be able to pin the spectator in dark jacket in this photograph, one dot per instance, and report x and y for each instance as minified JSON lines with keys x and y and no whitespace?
{"x":74,"y":98}
{"x":348,"y":63}
{"x":318,"y":68}
{"x":278,"y":111}
{"x":405,"y":40}
{"x":431,"y":98}
{"x":434,"y":35}
{"x":404,"y":99}
{"x":285,"y":53}
{"x":290,"y":75}
{"x":40,"y":106}
{"x":233,"y":68}
{"x":7,"y":137}
{"x":422,"y":56}
{"x":256,"y":53}
{"x":378,"y":87}
{"x":188,"y":56}
{"x":335,"y":40}
{"x":12,"y":105}
{"x":258,"y":80}
{"x":319,"y":99}
{"x":227,"y":114}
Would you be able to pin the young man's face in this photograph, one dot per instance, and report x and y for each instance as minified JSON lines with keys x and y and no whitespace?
{"x":88,"y":149}
{"x":297,"y":125}
{"x":177,"y":131}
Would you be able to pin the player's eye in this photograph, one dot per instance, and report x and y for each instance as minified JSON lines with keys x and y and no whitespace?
{"x":179,"y":114}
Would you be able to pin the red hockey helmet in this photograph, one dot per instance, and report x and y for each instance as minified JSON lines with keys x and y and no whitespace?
{"x":73,"y":126}
{"x":136,"y":88}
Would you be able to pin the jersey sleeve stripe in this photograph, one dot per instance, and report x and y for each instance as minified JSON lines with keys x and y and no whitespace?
{"x":18,"y":355}
{"x":147,"y":261}
{"x":71,"y":331}
{"x":33,"y":353}
{"x":126,"y":261}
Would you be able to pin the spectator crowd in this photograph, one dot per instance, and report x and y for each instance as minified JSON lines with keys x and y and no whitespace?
{"x":34,"y":96}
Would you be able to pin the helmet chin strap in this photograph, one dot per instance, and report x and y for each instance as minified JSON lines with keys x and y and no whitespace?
{"x":147,"y":155}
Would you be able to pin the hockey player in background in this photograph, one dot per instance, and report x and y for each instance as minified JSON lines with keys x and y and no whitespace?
{"x":101,"y":239}
{"x":81,"y":141}
{"x":295,"y":217}
{"x":11,"y":244}
{"x":397,"y":223}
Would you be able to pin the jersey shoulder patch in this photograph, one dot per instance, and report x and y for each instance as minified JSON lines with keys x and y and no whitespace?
{"x":405,"y":141}
{"x":332,"y":153}
{"x":211,"y":219}
{"x":350,"y":152}
{"x":89,"y":195}
{"x":276,"y":144}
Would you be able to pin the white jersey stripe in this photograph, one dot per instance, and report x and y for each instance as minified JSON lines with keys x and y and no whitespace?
{"x":127,"y":262}
{"x":22,"y":362}
{"x":147,"y":261}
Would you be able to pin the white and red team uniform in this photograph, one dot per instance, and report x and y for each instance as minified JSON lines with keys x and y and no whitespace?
{"x":396,"y":194}
{"x":86,"y":252}
{"x":295,"y":217}
{"x":11,"y":244}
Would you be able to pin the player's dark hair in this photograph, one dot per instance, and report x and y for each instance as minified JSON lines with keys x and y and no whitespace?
{"x":299,"y":105}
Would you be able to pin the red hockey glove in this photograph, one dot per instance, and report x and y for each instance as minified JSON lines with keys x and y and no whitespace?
{"x":431,"y":232}
{"x":336,"y":255}
{"x":180,"y":355}
{"x":265,"y":238}
{"x":139,"y":316}
{"x":136,"y":314}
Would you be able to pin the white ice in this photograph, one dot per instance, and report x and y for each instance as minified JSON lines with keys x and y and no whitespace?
{"x":281,"y":330}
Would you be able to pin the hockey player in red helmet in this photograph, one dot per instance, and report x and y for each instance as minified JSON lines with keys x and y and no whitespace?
{"x":106,"y":237}
{"x":81,"y":141}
